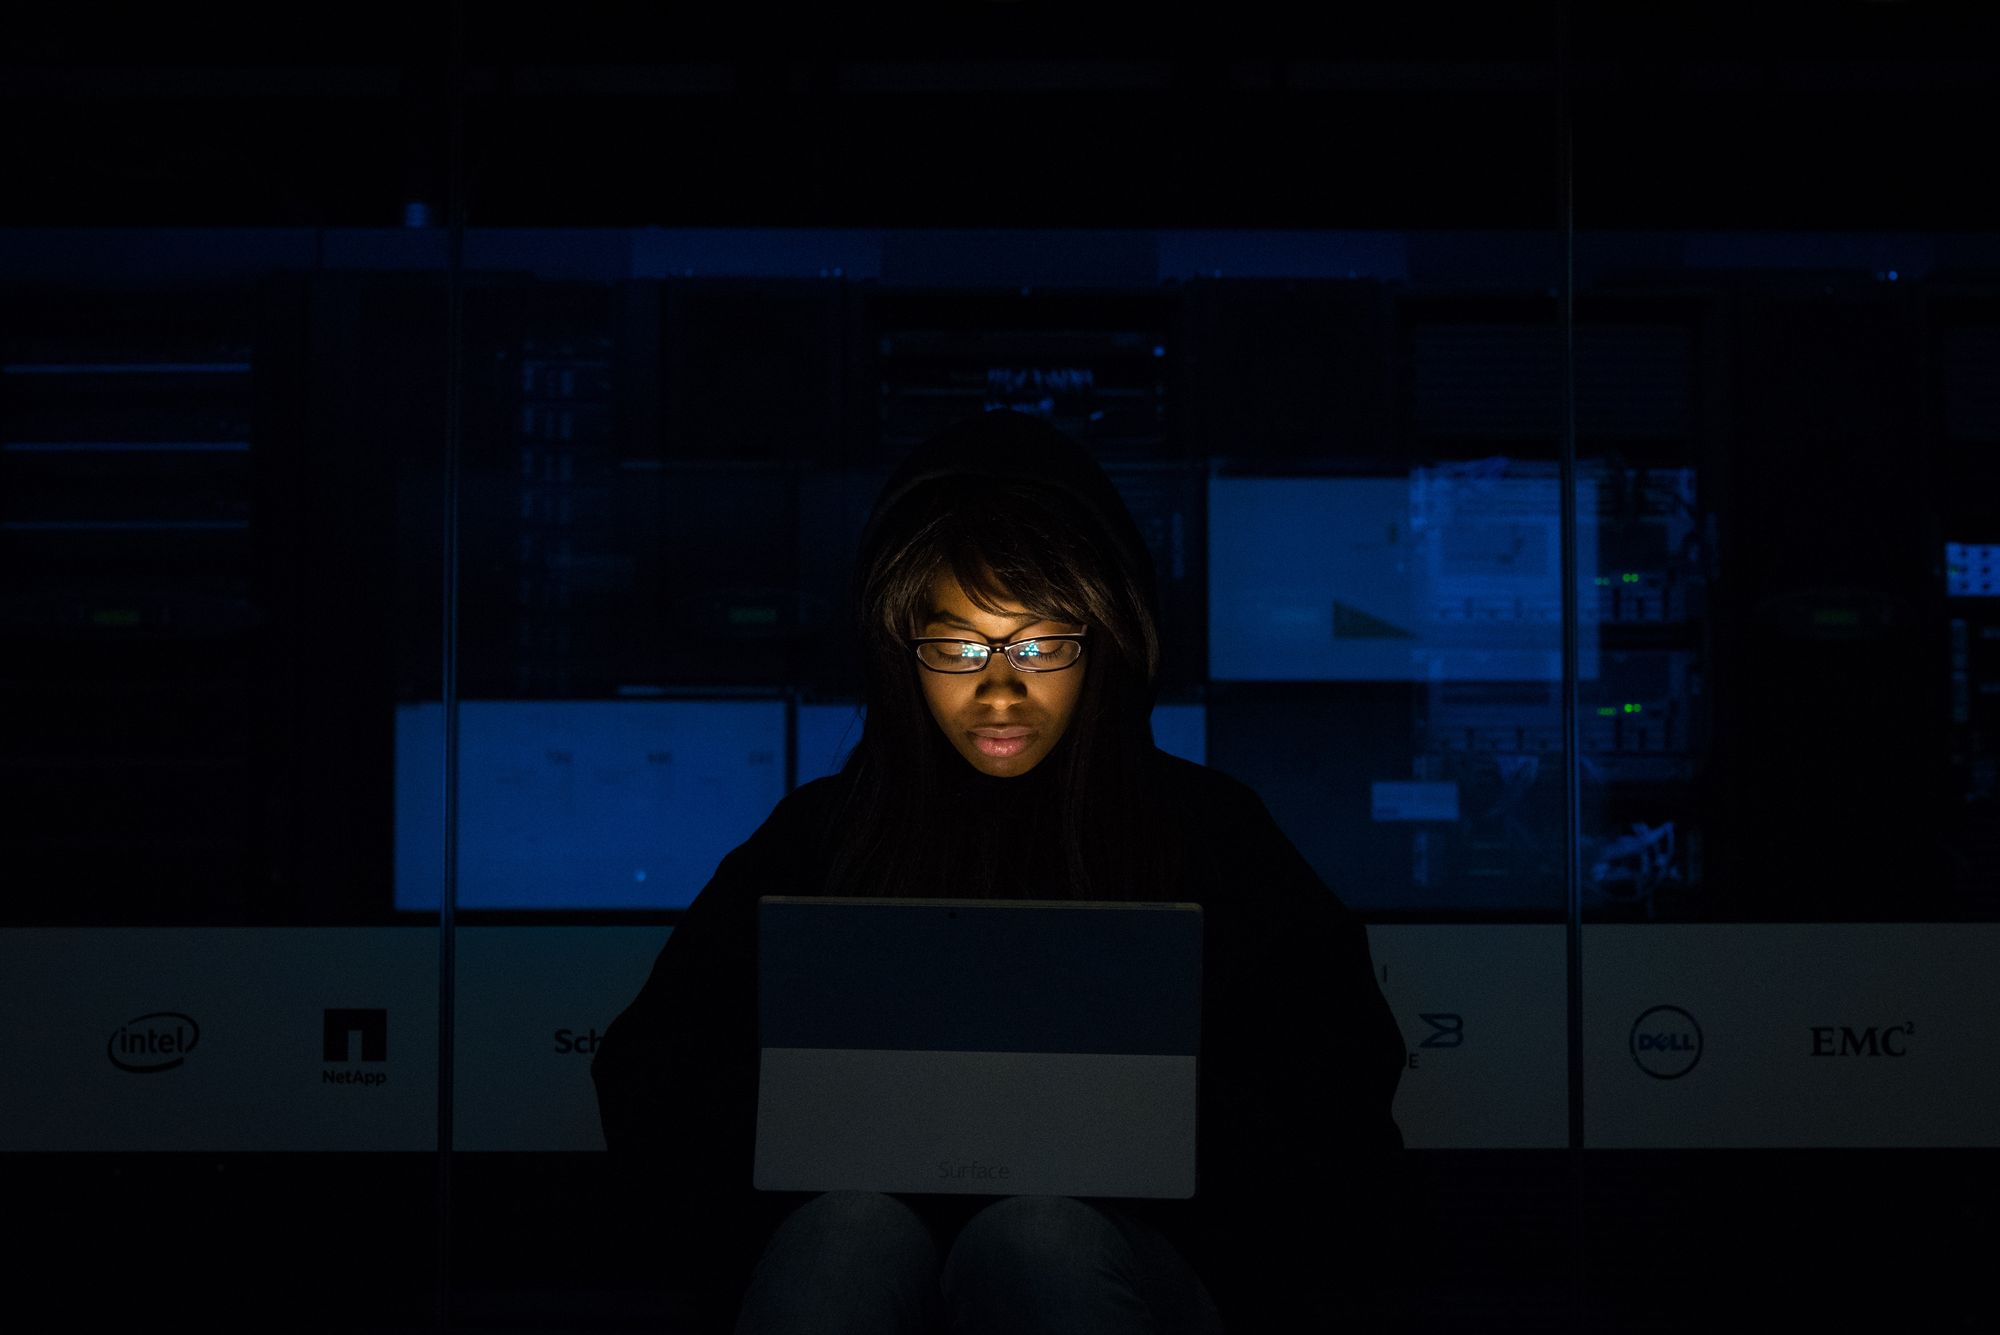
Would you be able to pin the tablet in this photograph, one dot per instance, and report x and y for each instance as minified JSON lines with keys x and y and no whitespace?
{"x":978,"y":1047}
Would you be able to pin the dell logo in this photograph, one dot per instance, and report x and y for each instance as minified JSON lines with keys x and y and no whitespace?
{"x":1665,"y":1042}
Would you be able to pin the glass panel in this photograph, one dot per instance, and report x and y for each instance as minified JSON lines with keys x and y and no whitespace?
{"x":221,"y":426}
{"x":1784,"y":321}
{"x":1329,"y":398}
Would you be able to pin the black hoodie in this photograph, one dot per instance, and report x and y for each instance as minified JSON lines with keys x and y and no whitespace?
{"x":1297,"y":1150}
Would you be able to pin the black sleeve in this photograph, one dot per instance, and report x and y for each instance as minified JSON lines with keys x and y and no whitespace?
{"x":1354,"y":1062}
{"x":1316,"y":1113}
{"x":676,"y":1078}
{"x":675,"y":1042}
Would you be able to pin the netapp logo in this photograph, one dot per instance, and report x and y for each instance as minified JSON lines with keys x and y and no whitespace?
{"x":1840,"y":1041}
{"x":337,"y":1033}
{"x":975,"y":1169}
{"x":154,"y":1042}
{"x":1666,"y":1042}
{"x":342,"y":1025}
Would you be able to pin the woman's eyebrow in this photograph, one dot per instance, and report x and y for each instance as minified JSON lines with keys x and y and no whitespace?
{"x":940,"y":616}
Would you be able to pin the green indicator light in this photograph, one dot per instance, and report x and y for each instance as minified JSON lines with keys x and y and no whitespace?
{"x":753,"y":616}
{"x":1836,"y":616}
{"x":1606,"y":711}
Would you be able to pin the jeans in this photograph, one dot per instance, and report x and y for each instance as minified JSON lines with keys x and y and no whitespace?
{"x":854,"y":1262}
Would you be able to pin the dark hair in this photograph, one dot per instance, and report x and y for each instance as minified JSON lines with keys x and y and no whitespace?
{"x":1034,"y":543}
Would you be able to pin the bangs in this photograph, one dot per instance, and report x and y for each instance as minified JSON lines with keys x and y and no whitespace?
{"x":1001,"y":543}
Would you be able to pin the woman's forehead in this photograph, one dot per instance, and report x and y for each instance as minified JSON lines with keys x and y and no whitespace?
{"x":949,"y":595}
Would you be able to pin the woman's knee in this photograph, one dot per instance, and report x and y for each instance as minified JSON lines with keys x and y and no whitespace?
{"x":862,"y":1222}
{"x":1073,"y":1266}
{"x":1039,"y":1232}
{"x":844,"y":1261}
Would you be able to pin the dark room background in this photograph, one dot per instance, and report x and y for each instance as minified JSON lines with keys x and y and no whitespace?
{"x":433,"y":442}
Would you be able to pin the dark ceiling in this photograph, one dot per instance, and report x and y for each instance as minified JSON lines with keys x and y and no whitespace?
{"x":1006,"y":113}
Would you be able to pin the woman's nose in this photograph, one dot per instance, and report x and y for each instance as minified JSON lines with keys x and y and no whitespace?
{"x":1000,"y":675}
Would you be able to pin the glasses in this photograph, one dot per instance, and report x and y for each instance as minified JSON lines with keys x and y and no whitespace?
{"x":1043,"y":653}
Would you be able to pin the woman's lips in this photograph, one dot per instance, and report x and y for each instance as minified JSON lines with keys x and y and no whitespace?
{"x":1000,"y":743}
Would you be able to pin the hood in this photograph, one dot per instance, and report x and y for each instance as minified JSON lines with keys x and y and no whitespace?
{"x":1006,"y":445}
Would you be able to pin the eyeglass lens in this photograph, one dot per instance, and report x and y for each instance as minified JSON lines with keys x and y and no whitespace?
{"x":968,"y":655}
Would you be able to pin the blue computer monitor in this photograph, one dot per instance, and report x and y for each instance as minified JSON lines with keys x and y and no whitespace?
{"x":584,"y":804}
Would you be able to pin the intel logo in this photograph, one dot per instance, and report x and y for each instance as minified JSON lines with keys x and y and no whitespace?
{"x":156,"y":1041}
{"x":1666,"y":1042}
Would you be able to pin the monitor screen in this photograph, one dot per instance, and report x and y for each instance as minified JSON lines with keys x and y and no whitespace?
{"x":584,"y":804}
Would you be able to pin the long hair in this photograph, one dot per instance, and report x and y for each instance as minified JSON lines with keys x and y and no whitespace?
{"x":1029,"y":541}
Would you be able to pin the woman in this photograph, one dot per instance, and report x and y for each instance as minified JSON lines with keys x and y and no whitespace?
{"x":1027,"y":774}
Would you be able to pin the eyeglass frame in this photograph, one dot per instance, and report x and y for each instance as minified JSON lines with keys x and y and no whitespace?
{"x":993,"y":649}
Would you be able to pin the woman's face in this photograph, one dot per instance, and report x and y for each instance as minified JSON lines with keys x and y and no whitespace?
{"x":1000,"y":695}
